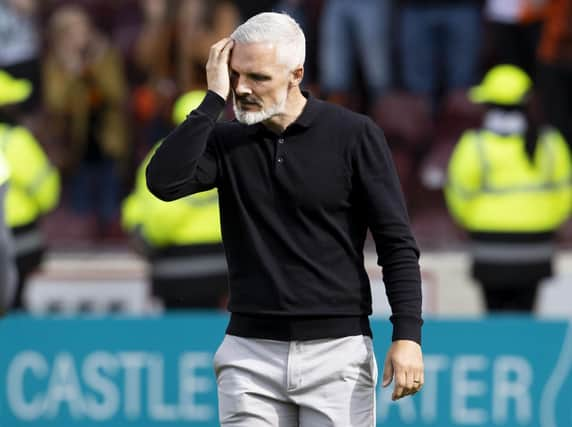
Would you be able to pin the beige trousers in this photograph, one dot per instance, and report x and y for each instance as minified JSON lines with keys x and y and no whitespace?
{"x":318,"y":383}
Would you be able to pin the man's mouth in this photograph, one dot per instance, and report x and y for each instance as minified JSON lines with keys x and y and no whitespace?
{"x":247,"y":102}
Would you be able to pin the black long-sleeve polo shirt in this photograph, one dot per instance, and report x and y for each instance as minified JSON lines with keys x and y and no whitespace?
{"x":295,"y":210}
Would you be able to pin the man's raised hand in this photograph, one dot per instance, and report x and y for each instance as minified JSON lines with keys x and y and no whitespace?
{"x":218,"y":79}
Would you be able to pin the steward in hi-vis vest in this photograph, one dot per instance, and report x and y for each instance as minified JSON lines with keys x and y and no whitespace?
{"x":509,"y":186}
{"x":181,"y":239}
{"x":34,"y":187}
{"x":8,"y":274}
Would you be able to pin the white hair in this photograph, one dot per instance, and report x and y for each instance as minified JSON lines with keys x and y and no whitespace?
{"x":279,"y":29}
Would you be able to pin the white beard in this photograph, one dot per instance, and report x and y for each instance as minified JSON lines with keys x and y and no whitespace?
{"x":253,"y":117}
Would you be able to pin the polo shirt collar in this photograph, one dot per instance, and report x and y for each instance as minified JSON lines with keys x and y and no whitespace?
{"x":310,"y":111}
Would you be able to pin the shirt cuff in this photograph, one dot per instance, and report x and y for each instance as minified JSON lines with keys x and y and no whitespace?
{"x":212,"y":105}
{"x":407,"y":328}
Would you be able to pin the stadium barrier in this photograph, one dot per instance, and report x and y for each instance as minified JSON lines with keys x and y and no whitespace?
{"x":157,"y":371}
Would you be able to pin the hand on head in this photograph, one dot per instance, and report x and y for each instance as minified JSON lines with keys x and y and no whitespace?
{"x":218,"y":79}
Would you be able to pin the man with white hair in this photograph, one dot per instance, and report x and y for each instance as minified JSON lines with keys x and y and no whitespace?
{"x":300,"y":182}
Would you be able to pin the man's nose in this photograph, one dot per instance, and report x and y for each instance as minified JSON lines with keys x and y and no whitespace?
{"x":241,"y":87}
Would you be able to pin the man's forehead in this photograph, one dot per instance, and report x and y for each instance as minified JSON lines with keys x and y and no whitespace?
{"x":249,"y":53}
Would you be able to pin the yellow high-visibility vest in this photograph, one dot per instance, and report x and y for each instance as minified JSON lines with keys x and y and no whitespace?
{"x":4,"y":169}
{"x":191,"y":220}
{"x":493,"y":186}
{"x":34,"y":183}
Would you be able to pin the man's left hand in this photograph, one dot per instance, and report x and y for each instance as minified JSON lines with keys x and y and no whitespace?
{"x":404,"y":362}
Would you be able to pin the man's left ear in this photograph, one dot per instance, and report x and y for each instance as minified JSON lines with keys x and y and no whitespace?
{"x":296,"y":76}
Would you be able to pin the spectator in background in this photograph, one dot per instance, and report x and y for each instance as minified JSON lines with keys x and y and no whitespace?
{"x":20,"y":42}
{"x":181,"y":239}
{"x":151,"y":47}
{"x":354,"y":32}
{"x":510,"y":187}
{"x":200,"y":23}
{"x":146,"y":37}
{"x":439,"y":38}
{"x":555,"y":57}
{"x":248,"y":8}
{"x":34,"y":183}
{"x":294,"y":8}
{"x":9,"y":93}
{"x":513,"y":30}
{"x":308,"y":14}
{"x":7,"y":266}
{"x":84,"y":95}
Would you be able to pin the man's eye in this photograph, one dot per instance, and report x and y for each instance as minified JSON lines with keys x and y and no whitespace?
{"x":260,"y":78}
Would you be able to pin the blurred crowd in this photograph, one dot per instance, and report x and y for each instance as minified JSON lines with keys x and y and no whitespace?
{"x":105,"y":76}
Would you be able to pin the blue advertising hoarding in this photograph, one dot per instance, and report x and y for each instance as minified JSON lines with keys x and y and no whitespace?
{"x":157,"y":371}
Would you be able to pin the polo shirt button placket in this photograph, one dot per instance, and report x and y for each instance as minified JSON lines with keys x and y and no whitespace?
{"x":280,"y":158}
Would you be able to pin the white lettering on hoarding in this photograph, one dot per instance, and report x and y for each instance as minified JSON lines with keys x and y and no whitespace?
{"x":25,"y":409}
{"x":473,"y":398}
{"x":516,"y":389}
{"x":430,"y":395}
{"x":133,"y":363}
{"x":104,"y":385}
{"x":64,"y":387}
{"x":95,"y":366}
{"x":158,"y":408}
{"x":462,"y":388}
{"x":91,"y":388}
{"x":192,"y":385}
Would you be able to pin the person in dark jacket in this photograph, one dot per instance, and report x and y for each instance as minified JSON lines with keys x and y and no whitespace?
{"x":300,"y":181}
